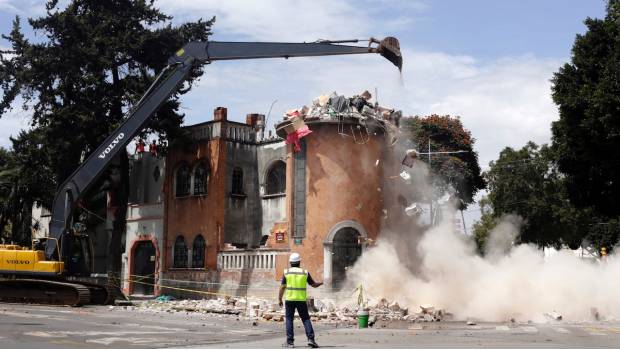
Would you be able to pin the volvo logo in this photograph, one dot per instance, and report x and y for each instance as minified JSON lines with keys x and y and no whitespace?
{"x":18,"y":262}
{"x":111,"y":146}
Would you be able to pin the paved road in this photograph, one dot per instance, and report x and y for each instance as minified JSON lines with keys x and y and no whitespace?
{"x":459,"y":335}
{"x":33,"y":326}
{"x":101,"y":327}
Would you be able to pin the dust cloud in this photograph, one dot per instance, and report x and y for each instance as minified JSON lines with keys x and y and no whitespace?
{"x":414,"y":266}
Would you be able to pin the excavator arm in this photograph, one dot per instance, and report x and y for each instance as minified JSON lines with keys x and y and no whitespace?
{"x":167,"y":83}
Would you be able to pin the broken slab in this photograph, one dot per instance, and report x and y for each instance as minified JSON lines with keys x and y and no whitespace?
{"x":554,"y":315}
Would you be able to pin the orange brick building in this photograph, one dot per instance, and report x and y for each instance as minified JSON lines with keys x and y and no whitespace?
{"x":236,"y":204}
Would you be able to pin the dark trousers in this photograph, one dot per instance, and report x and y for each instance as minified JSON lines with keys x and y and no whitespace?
{"x":302,"y":309}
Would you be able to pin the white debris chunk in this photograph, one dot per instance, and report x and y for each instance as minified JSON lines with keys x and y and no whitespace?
{"x":413,"y":210}
{"x":554,"y":315}
{"x":406,"y":177}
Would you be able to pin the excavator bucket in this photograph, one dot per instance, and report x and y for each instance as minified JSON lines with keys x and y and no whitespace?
{"x":389,"y":48}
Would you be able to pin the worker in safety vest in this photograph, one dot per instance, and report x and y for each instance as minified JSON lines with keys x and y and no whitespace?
{"x":293,"y":288}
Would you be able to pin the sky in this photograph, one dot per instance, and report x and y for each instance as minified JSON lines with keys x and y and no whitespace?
{"x":489,"y":62}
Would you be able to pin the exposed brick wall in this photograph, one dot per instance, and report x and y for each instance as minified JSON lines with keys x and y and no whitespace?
{"x":342,"y":184}
{"x":193,"y":215}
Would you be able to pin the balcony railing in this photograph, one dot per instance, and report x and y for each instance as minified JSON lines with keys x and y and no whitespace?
{"x":257,"y":260}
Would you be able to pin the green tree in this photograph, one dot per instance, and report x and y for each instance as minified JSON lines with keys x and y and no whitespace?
{"x":587,"y":135}
{"x":23,"y":181}
{"x":460,"y":171}
{"x":527,"y":182}
{"x":482,"y":228}
{"x":94,"y":60}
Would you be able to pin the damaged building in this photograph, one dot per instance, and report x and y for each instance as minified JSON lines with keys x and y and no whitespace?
{"x":227,"y":208}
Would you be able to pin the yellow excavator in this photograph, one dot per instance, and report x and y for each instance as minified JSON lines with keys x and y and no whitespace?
{"x":56,"y":269}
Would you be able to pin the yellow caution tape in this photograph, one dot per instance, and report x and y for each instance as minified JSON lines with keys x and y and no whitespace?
{"x":181,"y":289}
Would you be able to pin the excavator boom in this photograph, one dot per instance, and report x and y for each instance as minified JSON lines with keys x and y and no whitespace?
{"x":167,"y":83}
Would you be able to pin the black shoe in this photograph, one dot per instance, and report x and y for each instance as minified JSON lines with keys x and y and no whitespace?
{"x":313,"y":344}
{"x":288,"y":345}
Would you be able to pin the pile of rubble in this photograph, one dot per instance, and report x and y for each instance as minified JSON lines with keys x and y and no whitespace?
{"x":341,"y":109}
{"x":321,"y":310}
{"x":229,"y":306}
{"x":383,"y":310}
{"x":334,"y":106}
{"x":392,"y":311}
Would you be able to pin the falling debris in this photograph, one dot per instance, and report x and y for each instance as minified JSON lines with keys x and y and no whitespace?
{"x":295,"y":128}
{"x":413,"y":210}
{"x":595,"y":314}
{"x":406,"y":177}
{"x":553,"y":316}
{"x":410,"y":157}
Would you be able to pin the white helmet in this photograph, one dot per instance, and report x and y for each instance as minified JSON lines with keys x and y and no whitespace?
{"x":295,"y":257}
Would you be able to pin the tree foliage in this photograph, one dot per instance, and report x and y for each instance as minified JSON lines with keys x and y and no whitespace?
{"x":587,"y":135}
{"x":23,"y":182}
{"x":527,"y":182}
{"x":90,"y":64}
{"x":483,"y":227}
{"x":460,"y":171}
{"x":96,"y":61}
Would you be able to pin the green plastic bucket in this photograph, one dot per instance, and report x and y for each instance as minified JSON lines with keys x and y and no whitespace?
{"x":362,"y":318}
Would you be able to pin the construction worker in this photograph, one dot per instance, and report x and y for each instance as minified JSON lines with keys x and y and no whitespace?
{"x":293,"y":288}
{"x":153,"y":148}
{"x":140,"y":147}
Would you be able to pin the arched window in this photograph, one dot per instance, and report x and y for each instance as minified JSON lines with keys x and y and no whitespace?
{"x":201,"y":176}
{"x":198,"y":252}
{"x":276,"y":178}
{"x":180,"y":253}
{"x":183,"y":180}
{"x":237,"y":181}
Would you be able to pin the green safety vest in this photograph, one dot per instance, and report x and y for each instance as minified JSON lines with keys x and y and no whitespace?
{"x":296,"y":282}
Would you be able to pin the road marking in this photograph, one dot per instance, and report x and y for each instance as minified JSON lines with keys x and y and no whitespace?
{"x":561,"y":330}
{"x":62,"y":334}
{"x":110,"y":340}
{"x":45,"y":334}
{"x":529,"y":329}
{"x":595,"y":331}
{"x":502,"y":328}
{"x":21,"y":314}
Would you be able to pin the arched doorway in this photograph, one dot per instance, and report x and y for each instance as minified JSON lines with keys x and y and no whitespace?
{"x":341,"y":249}
{"x":346,"y":250}
{"x":143,"y":264}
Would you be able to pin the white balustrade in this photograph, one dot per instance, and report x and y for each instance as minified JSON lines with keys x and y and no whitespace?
{"x":257,"y":260}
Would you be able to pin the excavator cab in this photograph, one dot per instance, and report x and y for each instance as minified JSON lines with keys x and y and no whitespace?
{"x":77,"y":251}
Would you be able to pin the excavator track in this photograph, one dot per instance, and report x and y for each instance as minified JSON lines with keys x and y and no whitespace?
{"x":37,"y":291}
{"x":99,"y":294}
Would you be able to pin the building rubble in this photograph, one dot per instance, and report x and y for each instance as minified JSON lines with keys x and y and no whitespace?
{"x":341,"y":109}
{"x":340,"y":313}
{"x":321,"y":310}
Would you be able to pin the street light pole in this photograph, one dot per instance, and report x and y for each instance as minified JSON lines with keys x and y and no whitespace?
{"x":430,"y":175}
